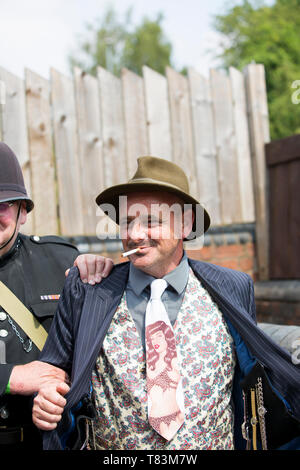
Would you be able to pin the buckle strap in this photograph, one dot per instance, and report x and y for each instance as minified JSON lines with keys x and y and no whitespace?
{"x":261,"y":410}
{"x":254,"y":420}
{"x":9,"y":436}
{"x":246,"y":425}
{"x":23,"y":317}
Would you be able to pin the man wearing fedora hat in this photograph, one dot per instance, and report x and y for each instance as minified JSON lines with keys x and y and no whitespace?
{"x":165,"y":353}
{"x":32,"y":274}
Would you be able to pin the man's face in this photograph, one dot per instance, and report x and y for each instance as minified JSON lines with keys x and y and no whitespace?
{"x":154,"y":222}
{"x":8,"y":217}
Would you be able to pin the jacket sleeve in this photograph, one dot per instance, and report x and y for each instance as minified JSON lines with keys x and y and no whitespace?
{"x":59,"y":347}
{"x":5,"y":371}
{"x":252,"y":307}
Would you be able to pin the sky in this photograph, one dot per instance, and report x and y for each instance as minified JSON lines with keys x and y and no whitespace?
{"x":39,"y":34}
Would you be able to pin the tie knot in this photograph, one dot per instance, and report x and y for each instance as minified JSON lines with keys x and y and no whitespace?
{"x":158,"y":286}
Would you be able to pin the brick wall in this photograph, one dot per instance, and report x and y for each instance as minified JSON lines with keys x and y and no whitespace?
{"x":232,"y":247}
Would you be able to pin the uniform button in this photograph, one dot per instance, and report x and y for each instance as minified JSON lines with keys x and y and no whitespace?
{"x":3,"y":316}
{"x":4,"y":414}
{"x":36,"y":238}
{"x":3,"y":333}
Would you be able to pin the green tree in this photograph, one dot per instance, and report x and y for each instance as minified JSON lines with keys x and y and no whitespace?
{"x":114,"y":43}
{"x":267,"y":34}
{"x":147,"y":45}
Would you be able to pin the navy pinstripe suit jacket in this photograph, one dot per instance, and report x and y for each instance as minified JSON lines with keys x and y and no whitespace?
{"x":85,"y":312}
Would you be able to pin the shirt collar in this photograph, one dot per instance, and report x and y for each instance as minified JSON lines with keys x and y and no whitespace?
{"x":138,"y":280}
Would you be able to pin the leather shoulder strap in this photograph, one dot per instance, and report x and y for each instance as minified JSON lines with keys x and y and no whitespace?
{"x":21,"y":315}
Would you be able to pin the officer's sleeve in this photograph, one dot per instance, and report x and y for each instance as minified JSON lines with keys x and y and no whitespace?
{"x":59,"y":347}
{"x":5,"y":371}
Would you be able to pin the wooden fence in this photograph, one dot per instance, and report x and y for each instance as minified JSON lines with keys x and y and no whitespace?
{"x":283,"y":167}
{"x":76,"y":136}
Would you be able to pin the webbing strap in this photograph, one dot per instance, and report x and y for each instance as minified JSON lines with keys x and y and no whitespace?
{"x":21,"y":315}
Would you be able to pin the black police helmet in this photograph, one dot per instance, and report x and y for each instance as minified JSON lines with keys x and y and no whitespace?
{"x":12,"y":186}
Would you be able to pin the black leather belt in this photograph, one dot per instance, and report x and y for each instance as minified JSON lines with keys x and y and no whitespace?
{"x":9,"y":436}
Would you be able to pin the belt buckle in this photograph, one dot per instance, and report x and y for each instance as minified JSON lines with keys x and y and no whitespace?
{"x":11,"y":435}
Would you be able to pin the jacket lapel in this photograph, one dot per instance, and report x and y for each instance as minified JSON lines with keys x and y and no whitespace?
{"x":100,"y":305}
{"x":218,"y":285}
{"x":283,"y":374}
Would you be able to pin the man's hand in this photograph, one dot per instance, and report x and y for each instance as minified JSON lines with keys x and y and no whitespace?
{"x":93,"y":268}
{"x":29,"y":378}
{"x":48,"y":406}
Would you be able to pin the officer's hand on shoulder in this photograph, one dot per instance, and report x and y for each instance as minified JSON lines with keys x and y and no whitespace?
{"x":93,"y":268}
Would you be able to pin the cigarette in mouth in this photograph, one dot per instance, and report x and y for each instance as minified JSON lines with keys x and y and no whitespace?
{"x":131,"y":252}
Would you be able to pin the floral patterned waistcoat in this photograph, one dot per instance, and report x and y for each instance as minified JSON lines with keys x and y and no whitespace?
{"x":206,"y":356}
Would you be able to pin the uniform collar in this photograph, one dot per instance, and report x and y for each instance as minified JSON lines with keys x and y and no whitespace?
{"x":14,"y":249}
{"x":138,"y":280}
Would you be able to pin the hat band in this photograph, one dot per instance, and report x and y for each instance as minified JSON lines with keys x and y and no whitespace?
{"x":12,"y":187}
{"x":158,"y":182}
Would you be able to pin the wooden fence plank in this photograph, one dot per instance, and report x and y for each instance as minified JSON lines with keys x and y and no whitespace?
{"x":14,"y":132}
{"x":283,"y":208}
{"x":114,"y":159}
{"x":259,"y":135}
{"x":226,"y":147}
{"x":158,"y":115}
{"x":101,"y":125}
{"x":181,"y":126}
{"x":242,"y":145}
{"x":134,"y":119}
{"x":90,"y":145}
{"x":41,"y":157}
{"x":66,"y":151}
{"x":204,"y":144}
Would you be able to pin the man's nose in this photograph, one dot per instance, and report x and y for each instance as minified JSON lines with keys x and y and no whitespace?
{"x":137,"y":231}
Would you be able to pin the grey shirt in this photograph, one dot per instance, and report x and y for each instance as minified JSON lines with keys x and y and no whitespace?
{"x":138,"y":293}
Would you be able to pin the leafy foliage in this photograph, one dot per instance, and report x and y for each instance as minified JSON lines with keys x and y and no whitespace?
{"x":267,"y":34}
{"x":114,"y":43}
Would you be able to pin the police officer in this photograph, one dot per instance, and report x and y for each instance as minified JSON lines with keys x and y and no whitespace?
{"x":33,"y":269}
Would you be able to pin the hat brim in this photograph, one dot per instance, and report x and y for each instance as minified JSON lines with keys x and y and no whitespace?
{"x":6,"y":196}
{"x":111,"y":196}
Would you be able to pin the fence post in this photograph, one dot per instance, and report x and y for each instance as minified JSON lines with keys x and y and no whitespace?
{"x":41,"y":157}
{"x":66,"y":152}
{"x":259,"y":135}
{"x":90,"y":148}
{"x":204,"y":144}
{"x":226,"y":148}
{"x":115,"y":165}
{"x":242,"y":145}
{"x":13,"y":132}
{"x":181,"y":126}
{"x":158,"y":114}
{"x":136,"y":137}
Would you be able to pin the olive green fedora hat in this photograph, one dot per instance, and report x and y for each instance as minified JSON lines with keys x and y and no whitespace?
{"x":157,"y":174}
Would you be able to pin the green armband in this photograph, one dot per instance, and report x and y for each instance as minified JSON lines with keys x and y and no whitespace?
{"x":7,"y":390}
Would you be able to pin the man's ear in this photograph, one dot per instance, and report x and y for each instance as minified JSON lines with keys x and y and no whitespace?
{"x":187,"y":223}
{"x":23,"y":213}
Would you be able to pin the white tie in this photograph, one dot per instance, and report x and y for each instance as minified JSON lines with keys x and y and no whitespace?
{"x":165,"y":395}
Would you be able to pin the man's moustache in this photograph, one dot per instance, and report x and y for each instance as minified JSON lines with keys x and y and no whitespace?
{"x":149,"y":243}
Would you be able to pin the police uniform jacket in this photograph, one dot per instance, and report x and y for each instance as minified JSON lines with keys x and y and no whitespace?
{"x":34,"y":270}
